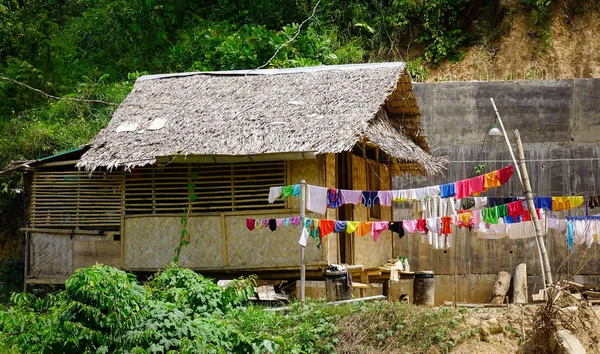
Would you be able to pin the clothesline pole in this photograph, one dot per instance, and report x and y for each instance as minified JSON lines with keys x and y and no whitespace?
{"x":523,"y":181}
{"x":534,"y":217}
{"x":302,"y":248}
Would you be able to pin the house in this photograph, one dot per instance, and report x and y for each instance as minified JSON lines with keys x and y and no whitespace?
{"x":120,"y":199}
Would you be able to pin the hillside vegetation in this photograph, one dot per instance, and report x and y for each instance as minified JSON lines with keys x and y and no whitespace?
{"x":95,"y":49}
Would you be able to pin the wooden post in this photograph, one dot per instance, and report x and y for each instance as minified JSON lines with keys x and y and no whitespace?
{"x":517,"y":165}
{"x":539,"y":235}
{"x":302,"y":248}
{"x":500,"y":287}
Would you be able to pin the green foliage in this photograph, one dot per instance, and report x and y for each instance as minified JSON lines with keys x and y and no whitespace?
{"x":105,"y":310}
{"x":443,"y":29}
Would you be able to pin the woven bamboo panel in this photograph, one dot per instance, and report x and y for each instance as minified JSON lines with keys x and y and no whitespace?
{"x":308,"y":170}
{"x":150,"y":242}
{"x":52,"y":255}
{"x":360,"y":212}
{"x":262,"y":248}
{"x":331,"y":182}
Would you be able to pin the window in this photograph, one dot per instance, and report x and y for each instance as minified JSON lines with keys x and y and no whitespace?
{"x":219,"y":187}
{"x":65,"y":197}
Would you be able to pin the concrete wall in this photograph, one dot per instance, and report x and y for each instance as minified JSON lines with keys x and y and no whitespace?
{"x":559,"y":122}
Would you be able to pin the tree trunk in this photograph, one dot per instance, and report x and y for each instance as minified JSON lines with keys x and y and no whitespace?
{"x":520,"y":295}
{"x":500,"y":288}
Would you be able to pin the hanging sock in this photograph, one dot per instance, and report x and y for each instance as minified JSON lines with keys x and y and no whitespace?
{"x":378,"y":227}
{"x":250,"y":224}
{"x":274,"y":193}
{"x":272,"y":224}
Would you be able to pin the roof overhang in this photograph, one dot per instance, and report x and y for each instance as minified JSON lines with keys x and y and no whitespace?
{"x":206,"y":159}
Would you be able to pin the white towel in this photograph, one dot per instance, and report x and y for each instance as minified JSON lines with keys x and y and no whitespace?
{"x":316,"y":199}
{"x":274,"y":193}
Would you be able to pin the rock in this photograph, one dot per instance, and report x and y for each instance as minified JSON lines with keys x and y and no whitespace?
{"x":489,"y":329}
{"x":564,"y":342}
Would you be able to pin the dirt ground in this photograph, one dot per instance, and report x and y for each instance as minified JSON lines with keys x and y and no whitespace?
{"x":501,"y":329}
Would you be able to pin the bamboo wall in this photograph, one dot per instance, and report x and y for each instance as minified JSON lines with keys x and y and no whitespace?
{"x":221,"y":240}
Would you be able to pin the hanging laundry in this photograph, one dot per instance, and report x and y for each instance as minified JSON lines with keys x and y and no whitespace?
{"x":543,"y":202}
{"x":492,"y":202}
{"x":370,"y":198}
{"x":250,"y":224}
{"x":303,"y":236}
{"x":489,"y":215}
{"x":272,"y":224}
{"x":378,"y":227}
{"x":476,"y":217}
{"x":351,"y":226}
{"x":265,"y":222}
{"x":385,"y":198}
{"x":340,"y":226}
{"x":447,"y":190}
{"x":524,"y":229}
{"x":594,"y":201}
{"x":420,"y":193}
{"x":570,"y":235}
{"x":399,"y":196}
{"x":274,"y":193}
{"x":447,"y":206}
{"x":326,"y":227}
{"x":314,"y":232}
{"x":462,"y":189}
{"x":334,"y":198}
{"x":515,"y":208}
{"x":491,"y":180}
{"x":465,"y":220}
{"x":467,"y":203}
{"x":491,"y":231}
{"x":510,"y":220}
{"x":433,"y":225}
{"x":351,"y":196}
{"x":286,"y":222}
{"x":296,"y":190}
{"x":446,"y":225}
{"x":502,"y":210}
{"x":364,"y":228}
{"x":286,"y":191}
{"x":397,"y":227}
{"x":576,"y":201}
{"x":258,"y":224}
{"x":480,"y":202}
{"x":476,"y":185}
{"x":433,"y":191}
{"x":410,"y":225}
{"x":279,"y":222}
{"x":526,"y":216}
{"x":557,"y":224}
{"x":505,"y":173}
{"x":295,"y":220}
{"x":316,"y":199}
{"x":422,"y":226}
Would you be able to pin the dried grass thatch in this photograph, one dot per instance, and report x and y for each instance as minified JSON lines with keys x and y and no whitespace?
{"x":319,"y":109}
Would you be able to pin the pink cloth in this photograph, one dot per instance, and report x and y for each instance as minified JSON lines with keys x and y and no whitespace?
{"x":409,"y":225}
{"x":378,"y":227}
{"x":295,"y":220}
{"x":351,"y":196}
{"x":385,"y":198}
{"x":279,"y":222}
{"x":476,"y":217}
{"x":476,"y":184}
{"x":462,"y":189}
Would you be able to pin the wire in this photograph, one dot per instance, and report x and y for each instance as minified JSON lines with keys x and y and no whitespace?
{"x":289,"y":40}
{"x":532,"y":160}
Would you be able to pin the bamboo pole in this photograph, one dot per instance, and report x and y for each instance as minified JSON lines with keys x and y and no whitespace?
{"x":539,"y":235}
{"x":512,"y":155}
{"x":302,"y":248}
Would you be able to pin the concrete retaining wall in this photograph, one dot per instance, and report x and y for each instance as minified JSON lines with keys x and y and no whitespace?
{"x":559,"y":122}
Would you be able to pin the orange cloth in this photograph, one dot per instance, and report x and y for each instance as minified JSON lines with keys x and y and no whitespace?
{"x":446,"y":225}
{"x":326,"y":227}
{"x":490,"y":180}
{"x":364,"y":228}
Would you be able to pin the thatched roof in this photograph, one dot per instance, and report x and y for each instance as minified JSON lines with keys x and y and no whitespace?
{"x":324,"y":109}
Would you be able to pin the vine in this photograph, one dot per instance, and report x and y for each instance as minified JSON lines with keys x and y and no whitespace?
{"x":184,"y":238}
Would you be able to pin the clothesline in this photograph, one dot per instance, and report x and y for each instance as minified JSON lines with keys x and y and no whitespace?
{"x":318,"y":199}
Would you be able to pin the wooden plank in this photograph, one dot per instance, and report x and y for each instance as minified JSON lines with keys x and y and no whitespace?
{"x":90,"y":252}
{"x":224,"y":240}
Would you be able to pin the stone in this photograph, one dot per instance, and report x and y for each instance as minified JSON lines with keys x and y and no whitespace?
{"x":564,"y":342}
